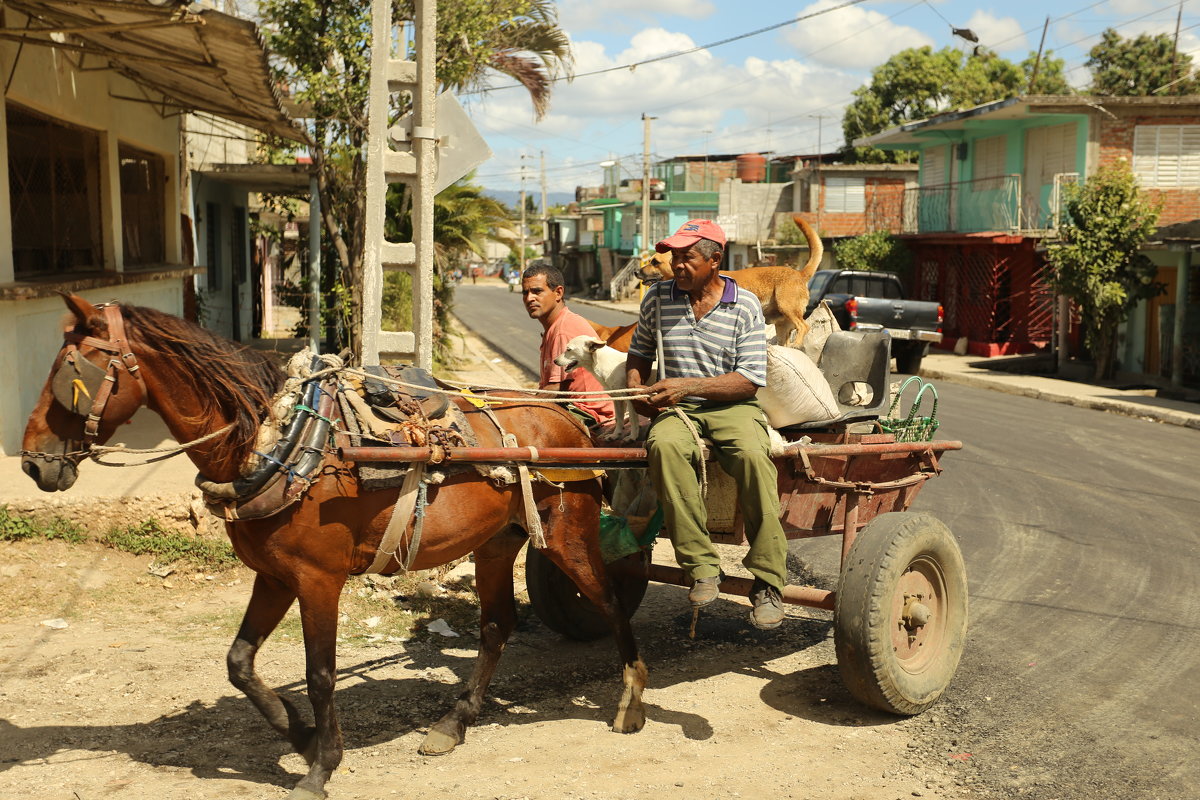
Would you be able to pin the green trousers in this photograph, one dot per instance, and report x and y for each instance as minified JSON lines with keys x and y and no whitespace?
{"x":738,"y":432}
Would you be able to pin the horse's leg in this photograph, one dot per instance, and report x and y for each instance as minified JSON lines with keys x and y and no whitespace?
{"x":269,"y":601}
{"x":319,"y":593}
{"x":497,"y":618}
{"x":578,"y":555}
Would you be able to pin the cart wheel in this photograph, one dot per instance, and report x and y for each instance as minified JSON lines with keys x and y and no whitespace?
{"x":558,"y":603}
{"x":901,"y":612}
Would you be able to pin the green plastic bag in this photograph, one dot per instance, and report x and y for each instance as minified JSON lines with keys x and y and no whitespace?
{"x":616,"y":538}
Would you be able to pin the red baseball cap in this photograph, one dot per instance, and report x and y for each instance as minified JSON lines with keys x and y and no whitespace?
{"x":691,"y":232}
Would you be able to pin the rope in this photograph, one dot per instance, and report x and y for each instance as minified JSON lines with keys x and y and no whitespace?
{"x":559,"y":396}
{"x":691,"y":426}
{"x":101,"y":450}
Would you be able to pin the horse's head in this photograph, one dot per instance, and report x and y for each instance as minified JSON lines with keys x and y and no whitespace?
{"x":92,"y":389}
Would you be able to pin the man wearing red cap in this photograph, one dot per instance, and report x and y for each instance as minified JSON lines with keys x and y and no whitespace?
{"x":713,"y":359}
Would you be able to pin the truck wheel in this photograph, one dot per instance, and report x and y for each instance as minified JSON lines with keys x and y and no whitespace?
{"x":908,"y":357}
{"x":558,"y":603}
{"x":900,"y":616}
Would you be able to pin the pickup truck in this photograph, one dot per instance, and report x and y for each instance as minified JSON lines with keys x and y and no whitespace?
{"x":873,"y":301}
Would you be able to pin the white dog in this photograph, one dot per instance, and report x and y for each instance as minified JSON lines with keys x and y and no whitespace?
{"x":608,"y":365}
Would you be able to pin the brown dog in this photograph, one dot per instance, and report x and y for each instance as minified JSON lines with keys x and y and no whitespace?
{"x":782,"y":291}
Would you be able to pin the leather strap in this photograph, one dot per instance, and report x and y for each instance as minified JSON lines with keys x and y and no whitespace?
{"x":402,"y":515}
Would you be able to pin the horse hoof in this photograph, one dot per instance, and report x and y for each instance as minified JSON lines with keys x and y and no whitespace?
{"x":305,"y":794}
{"x":629,"y":722}
{"x":438,"y":743}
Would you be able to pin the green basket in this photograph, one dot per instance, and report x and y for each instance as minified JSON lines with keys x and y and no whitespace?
{"x":914,"y":427}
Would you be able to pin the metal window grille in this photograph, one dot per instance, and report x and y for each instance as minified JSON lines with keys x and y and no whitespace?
{"x":143,"y":184}
{"x":54,"y":186}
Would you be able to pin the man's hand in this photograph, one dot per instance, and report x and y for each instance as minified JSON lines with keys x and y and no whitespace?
{"x":670,"y":391}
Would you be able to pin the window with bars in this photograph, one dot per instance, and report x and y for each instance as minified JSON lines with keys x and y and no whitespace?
{"x":143,"y":187}
{"x":1166,"y":156}
{"x":846,"y":195}
{"x":54,"y":186}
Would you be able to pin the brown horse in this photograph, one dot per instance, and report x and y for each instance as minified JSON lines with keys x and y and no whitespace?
{"x":201,"y":384}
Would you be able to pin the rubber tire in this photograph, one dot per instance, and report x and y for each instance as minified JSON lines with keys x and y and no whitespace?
{"x":557,"y":601}
{"x":865,"y":613}
{"x":909,"y":357}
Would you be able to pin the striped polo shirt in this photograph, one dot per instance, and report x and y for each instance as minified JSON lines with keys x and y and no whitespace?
{"x":730,"y":338}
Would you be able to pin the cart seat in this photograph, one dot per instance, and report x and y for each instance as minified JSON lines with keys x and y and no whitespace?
{"x":851,"y":357}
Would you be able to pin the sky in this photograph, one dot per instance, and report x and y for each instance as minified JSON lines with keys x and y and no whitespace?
{"x":781,"y":91}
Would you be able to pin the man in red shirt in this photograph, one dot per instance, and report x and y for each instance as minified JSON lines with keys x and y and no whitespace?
{"x":542,"y":292}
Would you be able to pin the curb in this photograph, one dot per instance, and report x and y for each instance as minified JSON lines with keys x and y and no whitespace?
{"x":1165,"y":416}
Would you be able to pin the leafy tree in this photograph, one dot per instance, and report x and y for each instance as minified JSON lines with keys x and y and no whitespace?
{"x":877,"y":251}
{"x":322,"y":52}
{"x":920,"y":82}
{"x":1096,"y":261}
{"x":1138,"y":66}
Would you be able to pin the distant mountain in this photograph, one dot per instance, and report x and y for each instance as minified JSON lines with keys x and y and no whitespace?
{"x":513,"y":199}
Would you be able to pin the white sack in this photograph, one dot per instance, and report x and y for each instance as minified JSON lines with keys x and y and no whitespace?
{"x":796,"y":391}
{"x":821,"y":323}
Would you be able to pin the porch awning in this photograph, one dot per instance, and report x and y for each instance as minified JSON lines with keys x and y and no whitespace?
{"x":200,"y":60}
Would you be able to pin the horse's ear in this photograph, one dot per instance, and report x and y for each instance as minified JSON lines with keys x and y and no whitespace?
{"x":82,"y":309}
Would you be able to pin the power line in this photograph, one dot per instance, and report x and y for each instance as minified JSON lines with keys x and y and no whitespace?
{"x":678,"y":53}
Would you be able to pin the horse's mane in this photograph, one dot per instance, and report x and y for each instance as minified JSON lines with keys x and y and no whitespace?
{"x":222,"y":373}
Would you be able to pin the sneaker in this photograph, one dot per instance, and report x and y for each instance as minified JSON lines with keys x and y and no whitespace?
{"x":768,"y":606}
{"x":704,"y":590}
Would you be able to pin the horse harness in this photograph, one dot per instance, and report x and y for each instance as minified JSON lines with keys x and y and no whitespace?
{"x":83,"y":388}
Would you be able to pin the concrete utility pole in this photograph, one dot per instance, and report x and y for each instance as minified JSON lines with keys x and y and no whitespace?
{"x":521,"y":255}
{"x":820,"y":202}
{"x":646,"y":245}
{"x":545,"y":216}
{"x":1175,"y":43}
{"x":1037,"y":62}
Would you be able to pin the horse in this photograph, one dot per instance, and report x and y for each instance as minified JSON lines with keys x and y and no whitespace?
{"x":216,"y":393}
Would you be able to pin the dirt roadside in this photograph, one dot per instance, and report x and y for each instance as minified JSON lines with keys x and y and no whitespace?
{"x":131,"y":700}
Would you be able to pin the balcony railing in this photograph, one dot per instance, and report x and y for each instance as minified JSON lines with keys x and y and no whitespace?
{"x":985,"y":204}
{"x":1003,"y":203}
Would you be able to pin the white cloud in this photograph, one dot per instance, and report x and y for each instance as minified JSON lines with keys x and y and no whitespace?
{"x":756,"y":105}
{"x":579,"y":15}
{"x":1002,"y":34}
{"x":851,"y":38}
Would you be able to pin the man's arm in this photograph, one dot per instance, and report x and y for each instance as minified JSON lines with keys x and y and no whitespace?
{"x":728,"y":388}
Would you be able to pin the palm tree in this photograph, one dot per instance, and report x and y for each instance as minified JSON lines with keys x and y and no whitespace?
{"x":516,"y":38}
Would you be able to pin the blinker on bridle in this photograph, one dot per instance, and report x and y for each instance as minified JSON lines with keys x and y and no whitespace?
{"x":83,"y":388}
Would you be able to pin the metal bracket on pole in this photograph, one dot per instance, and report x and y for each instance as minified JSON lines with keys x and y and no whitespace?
{"x":416,"y":168}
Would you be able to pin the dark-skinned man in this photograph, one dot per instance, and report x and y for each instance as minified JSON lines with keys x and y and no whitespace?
{"x":715,"y":357}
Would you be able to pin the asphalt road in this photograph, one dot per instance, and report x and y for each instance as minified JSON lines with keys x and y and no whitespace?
{"x":1081,"y":677}
{"x":496,"y":315}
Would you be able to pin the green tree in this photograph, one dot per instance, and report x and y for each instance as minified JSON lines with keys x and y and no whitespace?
{"x":1139,"y":66}
{"x":1096,"y":260}
{"x":920,"y":82}
{"x":877,"y":251}
{"x":322,"y":52}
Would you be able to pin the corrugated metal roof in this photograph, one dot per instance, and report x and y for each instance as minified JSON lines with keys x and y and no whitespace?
{"x":199,"y":59}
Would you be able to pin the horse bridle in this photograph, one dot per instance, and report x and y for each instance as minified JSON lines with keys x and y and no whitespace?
{"x":78,"y":380}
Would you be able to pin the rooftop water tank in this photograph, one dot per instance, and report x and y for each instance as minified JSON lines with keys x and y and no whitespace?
{"x":752,"y":168}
